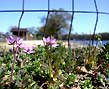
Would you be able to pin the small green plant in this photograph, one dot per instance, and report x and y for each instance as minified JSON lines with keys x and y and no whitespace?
{"x":103,"y":59}
{"x":70,"y":80}
{"x":101,"y":78}
{"x":86,"y":84}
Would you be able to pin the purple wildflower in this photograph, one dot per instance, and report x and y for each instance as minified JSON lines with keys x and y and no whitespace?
{"x":11,"y":40}
{"x":19,"y":41}
{"x":22,"y":45}
{"x":28,"y":50}
{"x":50,"y":41}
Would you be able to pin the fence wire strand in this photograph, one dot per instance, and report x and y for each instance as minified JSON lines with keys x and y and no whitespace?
{"x":22,"y":13}
{"x":76,"y":11}
{"x":47,"y":18}
{"x":70,"y":29}
{"x":96,"y":22}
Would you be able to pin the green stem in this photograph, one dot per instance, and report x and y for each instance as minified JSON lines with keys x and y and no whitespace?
{"x":22,"y":84}
{"x":50,"y":68}
{"x":50,"y":63}
{"x":12,"y":69}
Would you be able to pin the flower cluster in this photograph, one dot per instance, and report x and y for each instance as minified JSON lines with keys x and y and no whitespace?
{"x":28,"y":50}
{"x":19,"y":44}
{"x":50,"y":41}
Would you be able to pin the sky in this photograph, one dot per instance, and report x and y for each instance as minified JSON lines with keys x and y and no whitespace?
{"x":82,"y":23}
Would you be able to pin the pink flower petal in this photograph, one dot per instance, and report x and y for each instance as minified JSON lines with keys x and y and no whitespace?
{"x":53,"y":41}
{"x":50,"y":41}
{"x":54,"y":45}
{"x":10,"y":39}
{"x":19,"y":41}
{"x":28,"y":50}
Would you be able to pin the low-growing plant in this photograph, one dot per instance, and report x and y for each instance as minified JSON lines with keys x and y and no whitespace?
{"x":103,"y":59}
{"x":70,"y":80}
{"x":53,"y":66}
{"x":86,"y":84}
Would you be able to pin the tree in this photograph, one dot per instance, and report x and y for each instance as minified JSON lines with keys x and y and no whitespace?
{"x":56,"y":24}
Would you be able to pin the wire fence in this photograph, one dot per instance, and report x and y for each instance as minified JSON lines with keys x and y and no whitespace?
{"x":73,"y":11}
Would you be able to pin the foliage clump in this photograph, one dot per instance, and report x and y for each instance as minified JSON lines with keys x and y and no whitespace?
{"x":53,"y":66}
